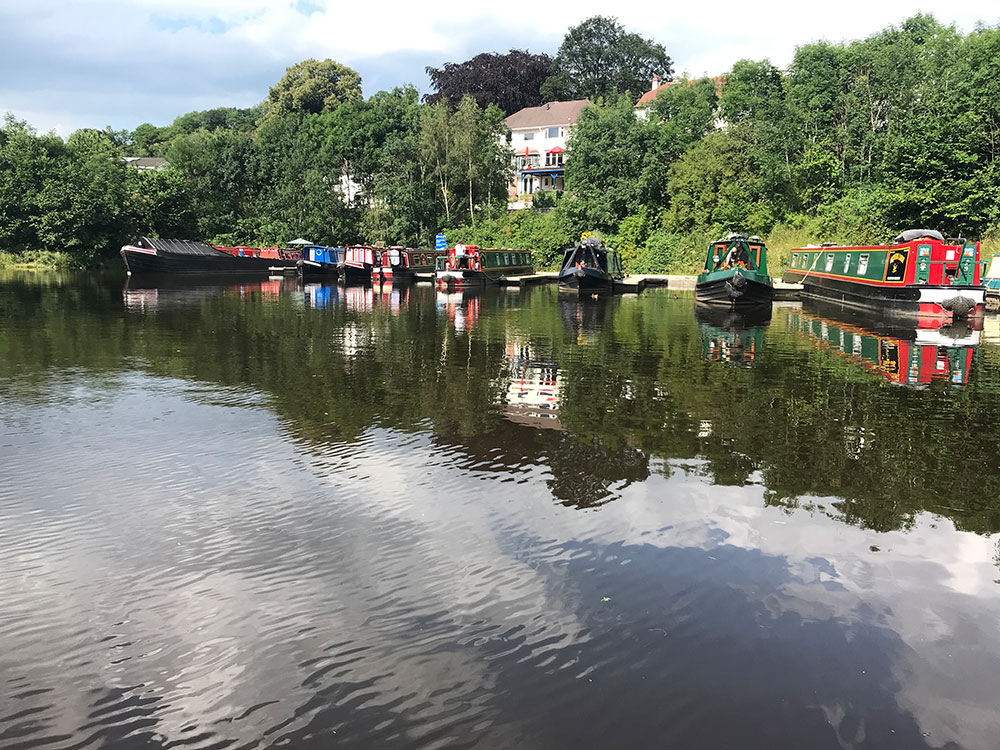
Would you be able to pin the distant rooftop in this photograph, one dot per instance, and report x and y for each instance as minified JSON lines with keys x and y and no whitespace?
{"x":646,"y":99}
{"x":547,"y":115}
{"x":145,"y":162}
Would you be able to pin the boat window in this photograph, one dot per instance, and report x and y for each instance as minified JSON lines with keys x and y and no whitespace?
{"x":847,"y":263}
{"x":795,"y":259}
{"x":829,"y":261}
{"x":862,"y":264}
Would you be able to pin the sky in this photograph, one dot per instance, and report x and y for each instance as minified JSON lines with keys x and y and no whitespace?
{"x":94,"y":63}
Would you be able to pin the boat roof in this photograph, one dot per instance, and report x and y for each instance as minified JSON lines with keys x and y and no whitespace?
{"x":177,"y":247}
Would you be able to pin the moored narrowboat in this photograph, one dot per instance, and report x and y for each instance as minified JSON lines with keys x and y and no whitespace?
{"x":589,"y":267}
{"x":401,"y":264}
{"x":991,"y":280}
{"x":919,"y":274}
{"x":735,"y":273}
{"x":320,"y":261}
{"x":358,"y":263}
{"x":467,"y":265}
{"x":155,"y":255}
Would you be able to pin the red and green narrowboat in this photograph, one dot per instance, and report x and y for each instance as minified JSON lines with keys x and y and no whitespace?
{"x":401,"y":264}
{"x":735,"y":273}
{"x":467,"y":265}
{"x":920,"y":274}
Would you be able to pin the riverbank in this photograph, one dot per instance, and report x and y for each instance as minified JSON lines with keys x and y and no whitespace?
{"x":38,"y":260}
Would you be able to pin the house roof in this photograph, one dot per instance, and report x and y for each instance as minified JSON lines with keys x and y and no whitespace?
{"x":646,"y":99}
{"x":547,"y":115}
{"x":145,"y":162}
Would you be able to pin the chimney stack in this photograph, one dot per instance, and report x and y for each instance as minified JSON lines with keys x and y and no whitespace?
{"x":656,"y":81}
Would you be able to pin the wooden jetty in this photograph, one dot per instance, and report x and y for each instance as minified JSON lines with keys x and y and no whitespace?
{"x":631,"y":284}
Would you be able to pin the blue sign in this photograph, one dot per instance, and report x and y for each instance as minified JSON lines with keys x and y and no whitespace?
{"x":439,"y":243}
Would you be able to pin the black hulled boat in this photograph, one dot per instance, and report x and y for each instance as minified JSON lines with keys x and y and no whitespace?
{"x":153,"y":255}
{"x":735,"y":273}
{"x":590,"y":266}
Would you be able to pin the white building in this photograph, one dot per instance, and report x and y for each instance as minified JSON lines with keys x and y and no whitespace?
{"x":646,"y":100}
{"x":538,"y":139}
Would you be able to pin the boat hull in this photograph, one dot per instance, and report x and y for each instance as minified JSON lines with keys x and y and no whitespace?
{"x":393,"y":275}
{"x":352,"y":274}
{"x":310,"y":269}
{"x":909,"y":301}
{"x":147,"y":261}
{"x":727,"y":291}
{"x":586,"y":281}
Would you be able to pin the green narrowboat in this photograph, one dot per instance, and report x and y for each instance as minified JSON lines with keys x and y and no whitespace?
{"x":735,"y":273}
{"x":467,"y":265}
{"x":919,"y":275}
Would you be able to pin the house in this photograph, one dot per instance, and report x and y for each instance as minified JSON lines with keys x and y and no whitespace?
{"x":538,"y":138}
{"x":647,"y":99}
{"x":144,"y":163}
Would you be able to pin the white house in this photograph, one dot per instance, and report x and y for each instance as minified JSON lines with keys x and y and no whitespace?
{"x":646,"y":100}
{"x":538,"y":139}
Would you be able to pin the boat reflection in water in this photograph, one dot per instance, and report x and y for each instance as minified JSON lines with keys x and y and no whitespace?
{"x":358,"y":297}
{"x":533,"y":393}
{"x":460,"y":308}
{"x":396,"y":296}
{"x":584,"y":315}
{"x":734,"y":336}
{"x":161,"y":292}
{"x":908,"y":355}
{"x":320,"y":296}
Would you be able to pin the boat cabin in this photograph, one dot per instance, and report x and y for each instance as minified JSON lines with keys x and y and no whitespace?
{"x":360,"y":255}
{"x":471,"y":258}
{"x":323,"y":254}
{"x":592,"y":253}
{"x":737,"y":251}
{"x":923,"y":261}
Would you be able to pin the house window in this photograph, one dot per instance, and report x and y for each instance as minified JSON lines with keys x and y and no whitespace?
{"x":829,"y":261}
{"x":847,"y":263}
{"x":529,"y":136}
{"x":862,"y":264}
{"x":553,"y":132}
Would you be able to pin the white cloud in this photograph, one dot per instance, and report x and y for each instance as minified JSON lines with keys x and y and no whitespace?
{"x":111,"y":61}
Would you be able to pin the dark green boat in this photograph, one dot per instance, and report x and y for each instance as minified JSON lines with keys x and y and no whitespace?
{"x":735,"y":273}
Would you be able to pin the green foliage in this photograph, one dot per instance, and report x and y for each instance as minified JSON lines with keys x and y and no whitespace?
{"x":313,"y":86}
{"x":545,"y":234}
{"x":853,"y":143}
{"x":598,"y":58}
{"x":38,"y":260}
{"x":613,"y":167}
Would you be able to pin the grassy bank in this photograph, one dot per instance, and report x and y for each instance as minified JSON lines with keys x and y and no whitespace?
{"x":38,"y":260}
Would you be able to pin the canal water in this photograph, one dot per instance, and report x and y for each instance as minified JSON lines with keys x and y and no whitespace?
{"x":254,"y":514}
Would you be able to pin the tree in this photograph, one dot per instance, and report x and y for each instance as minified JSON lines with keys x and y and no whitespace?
{"x":512,"y":81}
{"x":613,"y":167}
{"x":598,"y":58}
{"x":685,"y":113}
{"x":312,"y":86}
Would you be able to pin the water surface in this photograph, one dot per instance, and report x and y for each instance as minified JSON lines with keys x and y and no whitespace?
{"x":256,"y":514}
